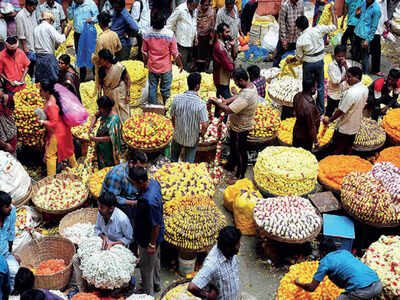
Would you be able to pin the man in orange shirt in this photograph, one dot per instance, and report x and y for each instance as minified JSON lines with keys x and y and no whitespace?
{"x":13,"y":66}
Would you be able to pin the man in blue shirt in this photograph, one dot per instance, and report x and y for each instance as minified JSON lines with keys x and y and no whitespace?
{"x":81,"y":12}
{"x":7,"y":234}
{"x":346,"y":271}
{"x":117,"y":183}
{"x":350,"y":8}
{"x":124,"y":25}
{"x":148,"y":228}
{"x":365,"y":31}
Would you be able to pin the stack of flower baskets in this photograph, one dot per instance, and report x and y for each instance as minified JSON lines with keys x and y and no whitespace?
{"x":284,"y":171}
{"x":333,"y":168}
{"x":148,"y":131}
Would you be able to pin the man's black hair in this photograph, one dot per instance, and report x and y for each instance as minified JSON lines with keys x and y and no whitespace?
{"x":221,"y":27}
{"x":193,"y":80}
{"x":137,"y":174}
{"x":308,"y":85}
{"x":228,"y":237}
{"x":339,"y":49}
{"x":104,"y":19}
{"x":395,"y":74}
{"x":31,"y":2}
{"x":12,"y":40}
{"x":327,"y":245}
{"x":158,"y":21}
{"x":33,"y":295}
{"x":137,"y":156}
{"x":5,"y":199}
{"x":254,"y":72}
{"x":24,"y":281}
{"x":356,"y":72}
{"x":240,"y":74}
{"x":302,"y":23}
{"x":108,"y":199}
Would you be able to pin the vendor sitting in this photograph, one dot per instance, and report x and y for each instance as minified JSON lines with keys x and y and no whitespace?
{"x":117,"y":183}
{"x":346,"y":271}
{"x":112,"y":225}
{"x":7,"y":235}
{"x":384,"y":92}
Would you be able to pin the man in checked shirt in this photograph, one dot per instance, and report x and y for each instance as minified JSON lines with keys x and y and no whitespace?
{"x":220,"y":271}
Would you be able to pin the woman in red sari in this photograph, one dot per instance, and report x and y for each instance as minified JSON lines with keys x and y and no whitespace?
{"x":59,"y":145}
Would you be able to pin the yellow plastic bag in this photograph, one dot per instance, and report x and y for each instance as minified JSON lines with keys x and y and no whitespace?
{"x":243,"y":212}
{"x":233,"y":190}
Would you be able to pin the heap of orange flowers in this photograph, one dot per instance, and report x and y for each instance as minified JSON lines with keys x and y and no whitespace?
{"x":51,"y":266}
{"x":92,"y":296}
{"x":333,"y":168}
{"x":391,"y":123}
{"x":305,"y":272}
{"x":179,"y":203}
{"x":391,"y":154}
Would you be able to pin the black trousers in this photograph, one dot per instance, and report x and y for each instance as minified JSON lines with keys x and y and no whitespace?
{"x":342,"y":143}
{"x":375,"y":49}
{"x":82,"y":71}
{"x":247,"y":15}
{"x":331,"y":106}
{"x":348,"y":35}
{"x":238,"y":155}
{"x":280,"y":51}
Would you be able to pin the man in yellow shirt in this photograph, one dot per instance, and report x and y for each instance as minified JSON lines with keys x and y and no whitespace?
{"x":108,"y":39}
{"x":221,"y":3}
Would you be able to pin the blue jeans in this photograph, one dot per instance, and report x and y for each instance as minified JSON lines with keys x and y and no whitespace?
{"x":165,"y":80}
{"x":190,"y":152}
{"x":315,"y":72}
{"x":13,"y":267}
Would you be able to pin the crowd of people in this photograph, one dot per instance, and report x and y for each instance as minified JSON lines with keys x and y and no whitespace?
{"x":195,"y":36}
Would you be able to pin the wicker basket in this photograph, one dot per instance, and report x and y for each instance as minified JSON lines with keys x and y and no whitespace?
{"x":48,"y":180}
{"x":147,"y":150}
{"x":83,"y":215}
{"x":37,"y":251}
{"x":24,"y":199}
{"x":172,"y":286}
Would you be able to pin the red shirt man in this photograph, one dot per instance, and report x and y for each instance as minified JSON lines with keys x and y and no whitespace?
{"x":13,"y":66}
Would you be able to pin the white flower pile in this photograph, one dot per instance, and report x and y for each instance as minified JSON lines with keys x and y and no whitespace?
{"x":106,"y":269}
{"x":79,"y":232}
{"x":285,"y":88}
{"x":140,"y":297}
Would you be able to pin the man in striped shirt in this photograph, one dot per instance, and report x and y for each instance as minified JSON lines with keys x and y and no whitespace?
{"x":190,"y":118}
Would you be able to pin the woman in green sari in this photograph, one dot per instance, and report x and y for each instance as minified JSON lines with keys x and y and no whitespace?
{"x":108,"y":136}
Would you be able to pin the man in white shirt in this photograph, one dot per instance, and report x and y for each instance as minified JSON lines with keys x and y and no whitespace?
{"x":50,"y":6}
{"x":349,"y":113}
{"x":375,"y":48}
{"x":140,"y":12}
{"x":336,"y":79}
{"x":26,"y":22}
{"x":46,"y":39}
{"x":183,"y":22}
{"x":310,"y":51}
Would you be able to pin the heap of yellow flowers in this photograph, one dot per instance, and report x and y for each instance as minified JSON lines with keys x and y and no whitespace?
{"x":305,"y":272}
{"x":89,"y":96}
{"x":194,"y":227}
{"x":285,"y":171}
{"x":138,"y":75}
{"x":96,"y":181}
{"x":82,"y":131}
{"x":30,"y":132}
{"x":147,"y":131}
{"x":181,"y":179}
{"x":180,"y":292}
{"x":391,"y":124}
{"x":285,"y":132}
{"x":171,"y":206}
{"x":266,"y":120}
{"x":333,"y":168}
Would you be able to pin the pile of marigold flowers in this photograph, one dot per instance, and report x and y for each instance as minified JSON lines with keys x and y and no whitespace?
{"x":391,"y":123}
{"x":391,"y":154}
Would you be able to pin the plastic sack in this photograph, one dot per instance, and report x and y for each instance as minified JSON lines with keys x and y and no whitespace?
{"x":87,"y":45}
{"x":233,"y":190}
{"x":243,"y":212}
{"x":3,"y":30}
{"x":74,"y":113}
{"x":14,"y":180}
{"x":271,"y":38}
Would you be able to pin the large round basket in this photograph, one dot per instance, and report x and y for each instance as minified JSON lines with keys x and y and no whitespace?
{"x":293,"y":241}
{"x":280,"y":101}
{"x":37,"y":251}
{"x":328,"y":187}
{"x":206,"y":152}
{"x":22,"y":201}
{"x":172,"y":286}
{"x":376,"y":225}
{"x":148,"y":150}
{"x":370,"y":148}
{"x":267,"y":194}
{"x":83,"y":215}
{"x":48,"y":180}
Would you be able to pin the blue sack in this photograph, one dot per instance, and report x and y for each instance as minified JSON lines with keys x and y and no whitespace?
{"x":87,"y":45}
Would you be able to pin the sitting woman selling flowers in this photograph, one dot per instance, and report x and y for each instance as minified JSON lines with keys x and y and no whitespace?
{"x":59,"y":145}
{"x":108,"y":136}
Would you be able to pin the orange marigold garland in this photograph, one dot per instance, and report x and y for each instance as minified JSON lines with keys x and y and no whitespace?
{"x":391,"y":123}
{"x":305,"y":272}
{"x":391,"y":154}
{"x":333,"y":168}
{"x":51,"y":266}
